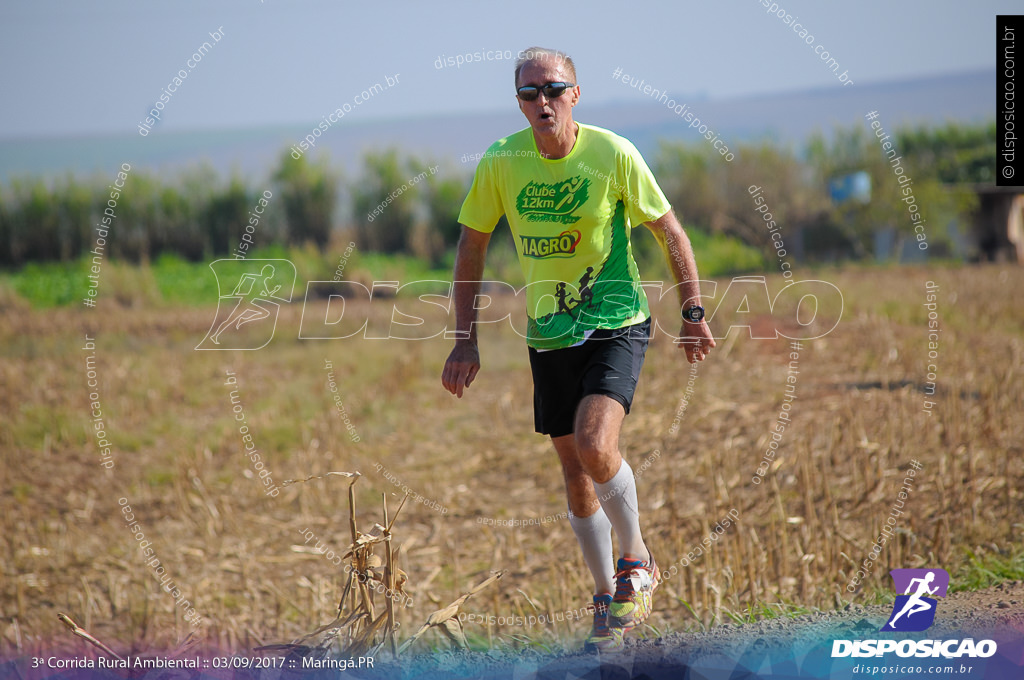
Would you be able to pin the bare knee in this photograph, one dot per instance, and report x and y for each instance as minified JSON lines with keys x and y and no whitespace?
{"x":590,"y":448}
{"x":598,"y":456}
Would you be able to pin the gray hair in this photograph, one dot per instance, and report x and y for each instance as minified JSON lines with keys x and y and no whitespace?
{"x":533,"y":54}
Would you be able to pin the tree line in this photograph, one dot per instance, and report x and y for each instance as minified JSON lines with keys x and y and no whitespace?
{"x":401,"y":204}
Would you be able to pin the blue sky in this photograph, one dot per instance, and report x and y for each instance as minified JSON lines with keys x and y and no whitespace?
{"x":74,"y":68}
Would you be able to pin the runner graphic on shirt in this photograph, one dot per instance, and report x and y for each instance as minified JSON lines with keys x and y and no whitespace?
{"x":616,"y":295}
{"x":586,"y":290}
{"x":562,"y":297}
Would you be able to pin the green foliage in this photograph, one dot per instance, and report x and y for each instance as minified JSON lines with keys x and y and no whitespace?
{"x":74,"y":203}
{"x":442,"y":199}
{"x":986,"y":568}
{"x":184,"y":283}
{"x":954,"y":153}
{"x":722,"y":255}
{"x":716,"y":254}
{"x":225,"y":216}
{"x":716,"y":197}
{"x":858,"y":149}
{"x":692,"y":181}
{"x":172,"y":280}
{"x":403,"y":205}
{"x":766,"y":611}
{"x":309,"y":192}
{"x":31,"y":220}
{"x":383,"y":203}
{"x":195,"y":218}
{"x":51,"y":284}
{"x":401,"y":268}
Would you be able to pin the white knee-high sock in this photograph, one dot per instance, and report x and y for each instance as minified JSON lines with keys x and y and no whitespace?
{"x":595,"y":536}
{"x":618,"y":499}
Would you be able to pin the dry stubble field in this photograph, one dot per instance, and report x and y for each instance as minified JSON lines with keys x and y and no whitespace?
{"x":238,"y":555}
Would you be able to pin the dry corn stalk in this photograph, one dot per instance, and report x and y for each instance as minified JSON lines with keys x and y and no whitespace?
{"x":186,"y":644}
{"x":84,"y":634}
{"x":359,"y":626}
{"x":447,"y":619}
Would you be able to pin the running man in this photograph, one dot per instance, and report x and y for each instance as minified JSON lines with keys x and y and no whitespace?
{"x":248,"y":307}
{"x":586,"y":360}
{"x":914,"y":603}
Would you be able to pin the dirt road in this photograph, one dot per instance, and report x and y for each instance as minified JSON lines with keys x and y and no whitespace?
{"x":779,"y":648}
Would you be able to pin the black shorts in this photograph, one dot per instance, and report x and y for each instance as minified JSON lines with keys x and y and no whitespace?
{"x":607,"y":363}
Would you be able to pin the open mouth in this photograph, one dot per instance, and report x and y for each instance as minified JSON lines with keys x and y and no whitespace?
{"x":546,"y":116}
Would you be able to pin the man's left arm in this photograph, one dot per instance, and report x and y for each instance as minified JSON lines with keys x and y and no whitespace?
{"x":695,"y":338}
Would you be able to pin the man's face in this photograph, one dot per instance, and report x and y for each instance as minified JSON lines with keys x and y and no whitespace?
{"x":548,"y":116}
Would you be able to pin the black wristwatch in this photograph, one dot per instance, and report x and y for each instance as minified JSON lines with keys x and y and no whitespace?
{"x":693,"y":314}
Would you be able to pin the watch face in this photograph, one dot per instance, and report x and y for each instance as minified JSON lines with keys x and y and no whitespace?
{"x":694,"y":314}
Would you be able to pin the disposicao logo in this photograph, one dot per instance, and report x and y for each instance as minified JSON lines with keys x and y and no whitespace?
{"x":914,"y":611}
{"x":257,"y":288}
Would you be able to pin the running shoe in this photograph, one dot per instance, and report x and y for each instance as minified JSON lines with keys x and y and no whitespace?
{"x":635,"y":581}
{"x":602,"y":638}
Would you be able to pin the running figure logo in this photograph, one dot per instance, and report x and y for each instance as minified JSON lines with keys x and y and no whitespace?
{"x":538,"y":202}
{"x":256,"y":286}
{"x":914,"y":610}
{"x":586,"y":293}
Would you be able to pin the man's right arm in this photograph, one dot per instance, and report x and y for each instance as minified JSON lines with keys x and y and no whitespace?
{"x":464,"y":360}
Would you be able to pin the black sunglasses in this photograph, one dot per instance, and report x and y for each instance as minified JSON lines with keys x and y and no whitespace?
{"x":530,"y":92}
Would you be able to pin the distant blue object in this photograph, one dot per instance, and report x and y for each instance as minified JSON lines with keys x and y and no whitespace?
{"x":853,"y":187}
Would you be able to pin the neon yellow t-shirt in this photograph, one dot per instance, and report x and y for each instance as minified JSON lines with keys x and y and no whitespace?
{"x":571,"y":219}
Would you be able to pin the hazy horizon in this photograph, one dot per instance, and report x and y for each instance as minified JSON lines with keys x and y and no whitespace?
{"x":97,"y":69}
